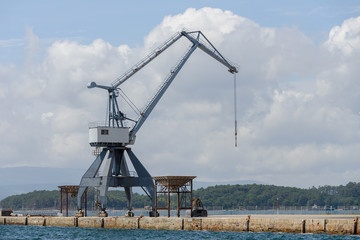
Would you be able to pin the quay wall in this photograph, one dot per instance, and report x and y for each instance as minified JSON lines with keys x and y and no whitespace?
{"x":331,"y":224}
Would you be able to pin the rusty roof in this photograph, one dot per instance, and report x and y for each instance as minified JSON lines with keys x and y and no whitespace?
{"x":174,"y":181}
{"x":69,"y":188}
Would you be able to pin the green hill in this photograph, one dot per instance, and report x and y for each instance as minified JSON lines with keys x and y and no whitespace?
{"x":226,"y":196}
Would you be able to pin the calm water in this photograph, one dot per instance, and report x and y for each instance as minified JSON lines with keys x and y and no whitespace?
{"x":35,"y":232}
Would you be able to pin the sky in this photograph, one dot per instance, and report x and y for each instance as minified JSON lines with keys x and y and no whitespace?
{"x":297,"y":88}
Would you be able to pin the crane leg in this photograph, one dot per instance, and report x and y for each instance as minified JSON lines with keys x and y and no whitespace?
{"x":128,"y":192}
{"x":88,"y":180}
{"x":144,"y":175}
{"x":104,"y":185}
{"x":123,"y":169}
{"x":115,"y":165}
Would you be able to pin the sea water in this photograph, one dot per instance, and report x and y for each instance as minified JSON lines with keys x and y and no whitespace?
{"x":72,"y":233}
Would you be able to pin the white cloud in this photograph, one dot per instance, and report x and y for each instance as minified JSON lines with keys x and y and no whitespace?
{"x":297,"y":102}
{"x":346,"y":37}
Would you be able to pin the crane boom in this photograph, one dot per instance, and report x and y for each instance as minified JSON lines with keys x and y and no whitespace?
{"x":120,"y":80}
{"x":202,"y":45}
{"x":152,"y":103}
{"x":212,"y":51}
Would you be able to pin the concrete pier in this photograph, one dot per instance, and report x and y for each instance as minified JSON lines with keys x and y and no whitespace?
{"x":331,"y":224}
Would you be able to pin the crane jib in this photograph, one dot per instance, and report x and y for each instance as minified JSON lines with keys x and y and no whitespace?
{"x":208,"y":48}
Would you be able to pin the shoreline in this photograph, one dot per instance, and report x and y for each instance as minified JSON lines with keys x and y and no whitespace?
{"x":318,"y":224}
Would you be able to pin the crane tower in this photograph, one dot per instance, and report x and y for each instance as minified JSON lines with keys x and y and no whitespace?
{"x":114,"y":136}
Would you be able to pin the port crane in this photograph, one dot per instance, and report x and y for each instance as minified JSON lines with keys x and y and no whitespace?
{"x":114,"y":136}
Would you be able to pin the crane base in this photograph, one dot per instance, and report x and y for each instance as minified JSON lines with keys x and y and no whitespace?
{"x":79,"y":213}
{"x":103,"y":214}
{"x":129,"y":214}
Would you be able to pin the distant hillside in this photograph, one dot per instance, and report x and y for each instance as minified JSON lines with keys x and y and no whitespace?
{"x":38,"y":200}
{"x":227,"y":196}
{"x":233,"y":196}
{"x":18,"y":180}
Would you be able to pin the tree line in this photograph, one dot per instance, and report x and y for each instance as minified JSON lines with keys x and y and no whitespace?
{"x":226,"y":196}
{"x":234,"y":196}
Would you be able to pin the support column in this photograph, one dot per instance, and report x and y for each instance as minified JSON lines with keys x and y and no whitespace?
{"x":191,"y":187}
{"x":67,"y":204}
{"x":178,"y":203}
{"x":61,"y":201}
{"x":168,"y":187}
{"x":156,"y":185}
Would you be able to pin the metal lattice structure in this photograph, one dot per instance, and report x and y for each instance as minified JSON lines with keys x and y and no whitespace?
{"x":182,"y":186}
{"x":112,"y":138}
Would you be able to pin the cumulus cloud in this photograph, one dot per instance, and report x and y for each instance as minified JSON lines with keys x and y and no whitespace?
{"x":346,"y":37}
{"x":297,"y":102}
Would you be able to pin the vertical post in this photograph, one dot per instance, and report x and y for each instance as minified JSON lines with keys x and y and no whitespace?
{"x":303,"y":223}
{"x":156,"y":182}
{"x":191,"y":197}
{"x":168,"y":186}
{"x":61,"y":200}
{"x":178,"y":203}
{"x":355,"y":226}
{"x":67,"y":203}
{"x":248,"y":223}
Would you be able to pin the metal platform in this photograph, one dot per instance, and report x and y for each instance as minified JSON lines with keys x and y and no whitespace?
{"x":166,"y":185}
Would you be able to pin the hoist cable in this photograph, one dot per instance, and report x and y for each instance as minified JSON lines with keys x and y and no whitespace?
{"x":235,"y":109}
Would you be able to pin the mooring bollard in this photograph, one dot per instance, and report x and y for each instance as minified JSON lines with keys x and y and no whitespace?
{"x":248,"y":223}
{"x":303,"y":223}
{"x":355,"y":225}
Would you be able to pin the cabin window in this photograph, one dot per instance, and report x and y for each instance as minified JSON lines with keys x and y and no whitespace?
{"x":104,"y":132}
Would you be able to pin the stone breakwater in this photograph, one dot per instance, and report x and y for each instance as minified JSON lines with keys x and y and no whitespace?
{"x":331,"y":224}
